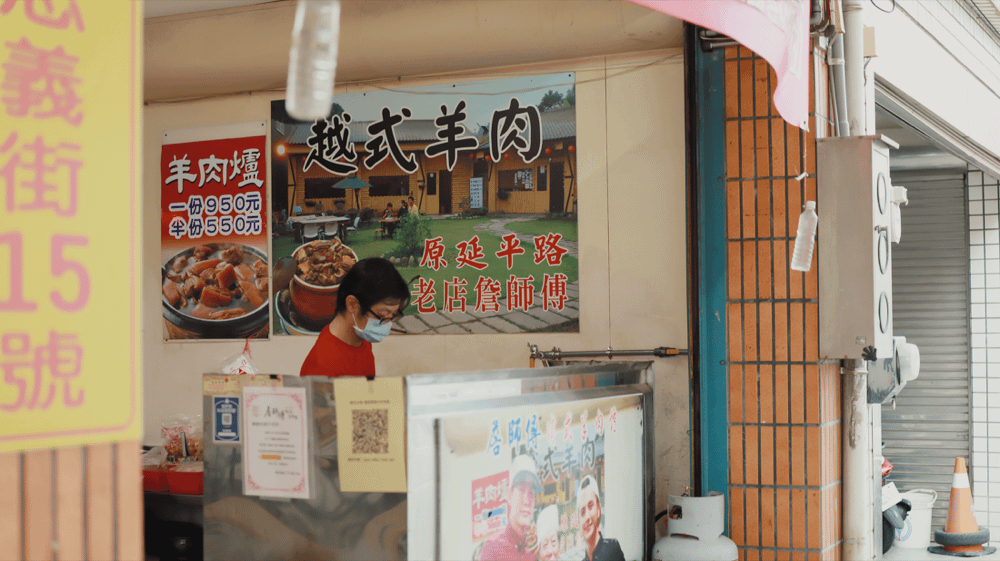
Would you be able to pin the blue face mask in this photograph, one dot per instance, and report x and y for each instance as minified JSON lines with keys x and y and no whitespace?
{"x":374,"y":330}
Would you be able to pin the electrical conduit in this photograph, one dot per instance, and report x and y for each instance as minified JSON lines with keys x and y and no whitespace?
{"x":858,"y":508}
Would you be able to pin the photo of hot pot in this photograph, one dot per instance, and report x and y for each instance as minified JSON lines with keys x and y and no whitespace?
{"x":313,"y":275}
{"x":217,"y":291}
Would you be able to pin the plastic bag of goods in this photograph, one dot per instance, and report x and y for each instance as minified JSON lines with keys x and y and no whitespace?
{"x":173,"y":426}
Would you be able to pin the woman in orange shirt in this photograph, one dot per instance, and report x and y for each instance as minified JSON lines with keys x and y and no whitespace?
{"x":370,"y":298}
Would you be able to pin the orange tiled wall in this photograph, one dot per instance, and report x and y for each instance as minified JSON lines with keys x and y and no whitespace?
{"x":784,"y":406}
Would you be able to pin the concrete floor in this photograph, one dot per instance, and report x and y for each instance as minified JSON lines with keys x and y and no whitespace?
{"x":903,"y":554}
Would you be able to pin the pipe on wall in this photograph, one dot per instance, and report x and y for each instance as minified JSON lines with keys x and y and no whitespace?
{"x":858,"y":506}
{"x":859,"y":517}
{"x":839,"y":85}
{"x":854,"y":64}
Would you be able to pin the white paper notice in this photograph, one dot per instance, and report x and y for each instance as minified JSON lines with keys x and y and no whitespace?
{"x":890,"y":496}
{"x":275,"y":454}
{"x":476,"y":192}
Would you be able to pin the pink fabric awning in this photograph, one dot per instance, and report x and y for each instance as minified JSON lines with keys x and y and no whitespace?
{"x":777,"y":30}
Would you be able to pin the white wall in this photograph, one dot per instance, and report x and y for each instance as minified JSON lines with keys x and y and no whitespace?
{"x":631,"y":160}
{"x":984,"y":280}
{"x":935,"y":54}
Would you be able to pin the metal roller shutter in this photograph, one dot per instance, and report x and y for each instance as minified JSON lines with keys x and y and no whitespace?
{"x":931,"y":425}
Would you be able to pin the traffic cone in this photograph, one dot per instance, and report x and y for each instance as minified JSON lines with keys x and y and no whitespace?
{"x":961,"y":536}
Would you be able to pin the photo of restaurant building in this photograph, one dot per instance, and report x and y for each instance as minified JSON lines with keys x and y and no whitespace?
{"x":435,"y":188}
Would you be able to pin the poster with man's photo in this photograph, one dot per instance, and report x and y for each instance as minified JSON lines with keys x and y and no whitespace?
{"x":470,"y":189}
{"x":561,"y":481}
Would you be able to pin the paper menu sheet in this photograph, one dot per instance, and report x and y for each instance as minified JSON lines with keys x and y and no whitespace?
{"x":370,"y":434}
{"x":275,"y":446}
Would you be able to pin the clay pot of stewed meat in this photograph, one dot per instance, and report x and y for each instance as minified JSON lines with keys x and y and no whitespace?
{"x":320,"y":266}
{"x":216,"y":291}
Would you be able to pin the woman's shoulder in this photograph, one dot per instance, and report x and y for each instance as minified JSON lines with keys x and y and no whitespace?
{"x":331,"y":356}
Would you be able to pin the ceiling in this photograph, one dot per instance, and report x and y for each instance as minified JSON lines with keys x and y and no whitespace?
{"x":245,"y":48}
{"x":161,"y":8}
{"x":915,"y":151}
{"x":200,"y":47}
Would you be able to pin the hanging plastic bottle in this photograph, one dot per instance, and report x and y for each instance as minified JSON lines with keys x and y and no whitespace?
{"x":312,"y":64}
{"x":803,"y":253}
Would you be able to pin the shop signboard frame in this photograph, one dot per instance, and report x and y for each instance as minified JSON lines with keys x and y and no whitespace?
{"x":434,"y":403}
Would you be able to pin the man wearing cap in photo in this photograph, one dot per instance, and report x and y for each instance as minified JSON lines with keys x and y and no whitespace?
{"x":518,"y":541}
{"x":548,"y":533}
{"x":588,"y":504}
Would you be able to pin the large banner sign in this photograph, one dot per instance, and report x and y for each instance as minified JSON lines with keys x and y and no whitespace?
{"x":214,"y":269}
{"x":545,"y":482}
{"x":69,"y":236}
{"x":470,"y":189}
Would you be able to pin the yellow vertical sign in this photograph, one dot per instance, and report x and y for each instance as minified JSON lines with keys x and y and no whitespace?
{"x":70,"y":102}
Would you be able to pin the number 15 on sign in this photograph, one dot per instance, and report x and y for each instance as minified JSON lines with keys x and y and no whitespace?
{"x":61,"y":262}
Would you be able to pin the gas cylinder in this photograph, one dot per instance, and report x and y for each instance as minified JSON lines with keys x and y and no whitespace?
{"x":694,"y":531}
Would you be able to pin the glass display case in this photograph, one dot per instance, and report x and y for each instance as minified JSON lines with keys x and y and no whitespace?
{"x":579,"y":435}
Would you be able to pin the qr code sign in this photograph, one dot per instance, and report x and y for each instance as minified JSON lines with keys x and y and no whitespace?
{"x":370,"y":433}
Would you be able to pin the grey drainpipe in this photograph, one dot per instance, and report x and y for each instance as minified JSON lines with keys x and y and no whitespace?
{"x":858,"y":511}
{"x":839,"y":88}
{"x":854,"y":64}
{"x":858,"y":494}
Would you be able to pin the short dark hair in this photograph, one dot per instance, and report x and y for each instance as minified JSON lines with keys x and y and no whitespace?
{"x":372,"y":280}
